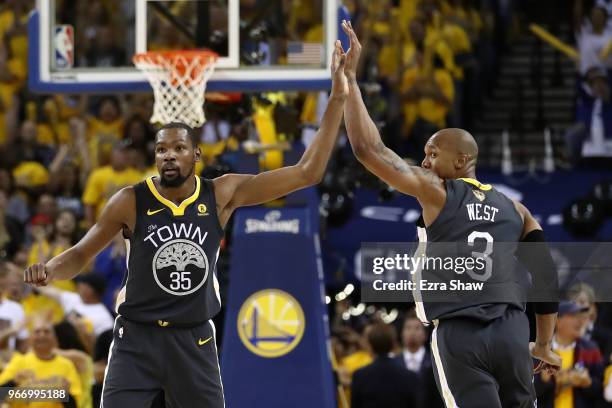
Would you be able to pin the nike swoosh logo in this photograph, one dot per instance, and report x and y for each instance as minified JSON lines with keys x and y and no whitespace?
{"x":149,"y":212}
{"x":203,"y":342}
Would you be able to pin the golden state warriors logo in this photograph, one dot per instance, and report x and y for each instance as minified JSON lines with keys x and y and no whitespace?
{"x":271,"y":323}
{"x":479,"y":195}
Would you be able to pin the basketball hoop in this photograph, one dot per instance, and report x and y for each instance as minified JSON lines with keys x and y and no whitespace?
{"x":178,"y":79}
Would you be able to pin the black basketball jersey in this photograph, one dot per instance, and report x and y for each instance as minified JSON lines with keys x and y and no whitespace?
{"x":476,"y":222}
{"x":172,"y":256}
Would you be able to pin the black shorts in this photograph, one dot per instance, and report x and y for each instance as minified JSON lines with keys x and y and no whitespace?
{"x":145,"y":360}
{"x":484,"y":364}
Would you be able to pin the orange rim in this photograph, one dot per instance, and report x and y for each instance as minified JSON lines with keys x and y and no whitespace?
{"x":170,"y":54}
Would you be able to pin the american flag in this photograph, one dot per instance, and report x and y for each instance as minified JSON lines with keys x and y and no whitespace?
{"x":304,"y":53}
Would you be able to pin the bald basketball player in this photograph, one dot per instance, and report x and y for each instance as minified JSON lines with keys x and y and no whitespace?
{"x":480,"y":346}
{"x":164,"y":338}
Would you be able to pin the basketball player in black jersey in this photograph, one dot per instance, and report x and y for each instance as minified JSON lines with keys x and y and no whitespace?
{"x":480,"y":347}
{"x":163,"y":337}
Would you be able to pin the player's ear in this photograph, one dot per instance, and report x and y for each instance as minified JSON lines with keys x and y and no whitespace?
{"x":461,"y":161}
{"x":198,"y":153}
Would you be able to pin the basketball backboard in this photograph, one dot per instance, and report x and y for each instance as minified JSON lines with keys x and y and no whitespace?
{"x":263,"y":44}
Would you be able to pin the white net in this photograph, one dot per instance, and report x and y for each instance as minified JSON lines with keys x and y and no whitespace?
{"x":179,"y":81}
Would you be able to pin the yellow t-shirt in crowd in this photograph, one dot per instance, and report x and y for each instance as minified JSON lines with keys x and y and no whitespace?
{"x":607,"y":375}
{"x":438,"y":47}
{"x":427,"y":108}
{"x":8,"y":90}
{"x":40,"y":305}
{"x":104,"y":182}
{"x":102,"y":136}
{"x":354,"y":362}
{"x":30,"y":174}
{"x":53,"y":135}
{"x":41,"y":253}
{"x":565,"y":399}
{"x":47,"y":373}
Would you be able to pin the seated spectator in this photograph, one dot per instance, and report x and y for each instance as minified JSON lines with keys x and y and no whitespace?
{"x":71,"y":347}
{"x":33,"y":302}
{"x":43,"y":367}
{"x":357,"y":355}
{"x":592,"y":36}
{"x":105,"y":51}
{"x":106,"y":181}
{"x":13,"y":332}
{"x":17,"y":205}
{"x":416,"y":357}
{"x":596,"y":326}
{"x":591,"y":136}
{"x":52,"y":130}
{"x":66,"y":187}
{"x":30,"y":157}
{"x":384,"y":383}
{"x":62,"y":235}
{"x":11,"y":235}
{"x":579,"y":382}
{"x":428,"y":93}
{"x":104,"y":130}
{"x":87,"y":303}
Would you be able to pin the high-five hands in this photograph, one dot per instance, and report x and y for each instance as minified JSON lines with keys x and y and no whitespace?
{"x":340,"y":86}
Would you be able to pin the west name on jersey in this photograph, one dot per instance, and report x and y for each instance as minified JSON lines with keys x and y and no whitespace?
{"x":481,"y":212}
{"x":168,"y":232}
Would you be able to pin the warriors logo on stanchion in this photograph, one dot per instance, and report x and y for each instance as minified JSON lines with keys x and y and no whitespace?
{"x":271,"y":323}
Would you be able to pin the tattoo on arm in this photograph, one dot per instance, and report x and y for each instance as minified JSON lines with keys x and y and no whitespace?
{"x":391,"y":158}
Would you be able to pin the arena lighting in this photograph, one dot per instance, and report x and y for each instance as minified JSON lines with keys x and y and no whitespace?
{"x":370,"y":310}
{"x":346,"y":316}
{"x":349,"y":289}
{"x":357,"y":310}
{"x":340,"y":296}
{"x":327,"y":300}
{"x":389,"y":317}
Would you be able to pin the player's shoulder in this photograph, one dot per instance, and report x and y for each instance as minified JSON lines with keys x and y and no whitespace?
{"x":123,"y":199}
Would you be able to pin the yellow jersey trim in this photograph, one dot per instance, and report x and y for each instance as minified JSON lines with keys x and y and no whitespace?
{"x":176,"y":210}
{"x":483,"y":187}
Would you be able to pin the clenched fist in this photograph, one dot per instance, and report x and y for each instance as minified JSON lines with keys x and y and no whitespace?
{"x":37,"y":275}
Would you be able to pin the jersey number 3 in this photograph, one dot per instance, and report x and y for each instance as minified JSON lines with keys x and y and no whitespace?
{"x":488,"y":269}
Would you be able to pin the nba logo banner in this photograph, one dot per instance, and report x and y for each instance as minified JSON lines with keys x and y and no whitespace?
{"x":64,"y":46}
{"x":275,"y":344}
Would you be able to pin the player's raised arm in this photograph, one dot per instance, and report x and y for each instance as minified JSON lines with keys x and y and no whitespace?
{"x":365,"y":138}
{"x":237,"y":190}
{"x":68,"y":264}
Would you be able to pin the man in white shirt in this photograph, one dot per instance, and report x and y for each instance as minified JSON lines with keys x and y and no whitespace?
{"x":87,"y":303}
{"x":413,"y":344}
{"x":416,"y":357}
{"x":13,"y":333}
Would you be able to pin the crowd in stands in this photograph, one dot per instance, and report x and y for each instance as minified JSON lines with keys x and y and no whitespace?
{"x":426,"y":66}
{"x":591,"y":136}
{"x":377,"y":367}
